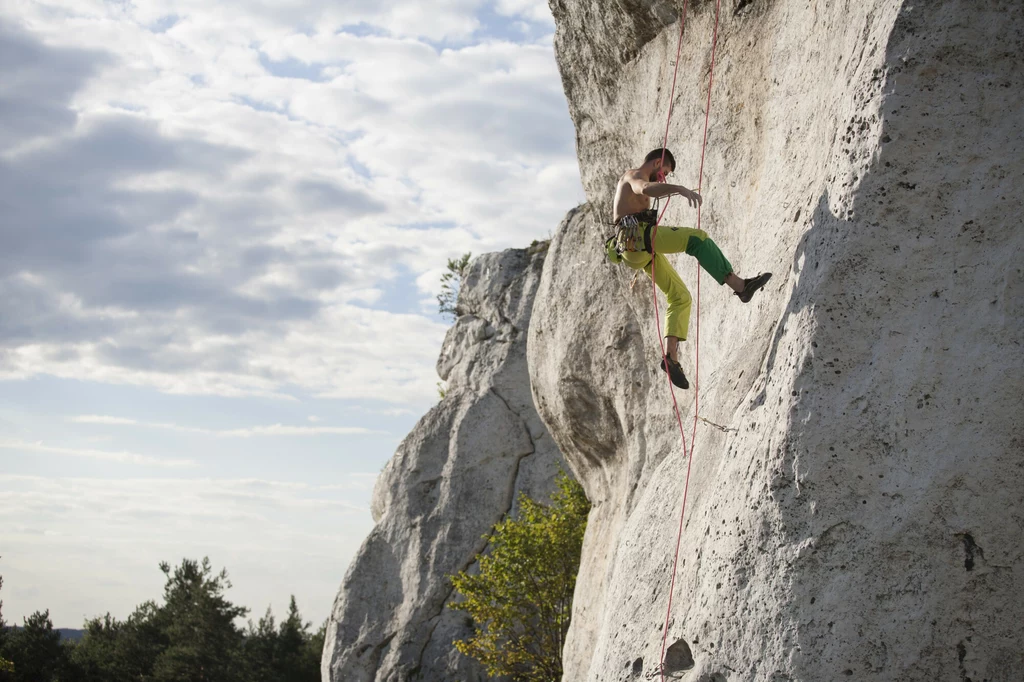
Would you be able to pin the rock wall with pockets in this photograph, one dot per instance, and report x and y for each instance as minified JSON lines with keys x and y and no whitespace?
{"x":856,"y":502}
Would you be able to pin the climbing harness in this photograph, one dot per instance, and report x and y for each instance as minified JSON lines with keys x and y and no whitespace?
{"x":687,"y":452}
{"x":635,"y":232}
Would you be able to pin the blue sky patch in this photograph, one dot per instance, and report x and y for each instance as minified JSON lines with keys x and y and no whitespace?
{"x":293,"y":68}
{"x":164,"y":24}
{"x":363,"y":30}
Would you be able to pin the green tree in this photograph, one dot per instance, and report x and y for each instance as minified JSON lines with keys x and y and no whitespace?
{"x":121,"y":651}
{"x":191,"y":637}
{"x":203,"y":643}
{"x":36,"y":652}
{"x":6,"y":666}
{"x":451,"y":282}
{"x":261,"y":645}
{"x":312,"y":653}
{"x":293,"y":638}
{"x":521,"y":599}
{"x":283,"y":653}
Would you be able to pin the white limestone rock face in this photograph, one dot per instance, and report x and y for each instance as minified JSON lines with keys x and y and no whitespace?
{"x":861,"y":516}
{"x":453,"y":477}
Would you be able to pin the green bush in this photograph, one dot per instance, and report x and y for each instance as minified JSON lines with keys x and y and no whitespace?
{"x":521,"y":599}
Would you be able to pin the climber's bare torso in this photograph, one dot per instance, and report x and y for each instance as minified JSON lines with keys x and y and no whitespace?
{"x":638,"y":186}
{"x":627,"y":200}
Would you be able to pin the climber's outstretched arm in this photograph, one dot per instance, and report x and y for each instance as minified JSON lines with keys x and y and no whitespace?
{"x":656,"y":190}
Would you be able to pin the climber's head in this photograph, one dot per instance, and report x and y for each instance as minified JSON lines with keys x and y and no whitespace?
{"x":658,"y":169}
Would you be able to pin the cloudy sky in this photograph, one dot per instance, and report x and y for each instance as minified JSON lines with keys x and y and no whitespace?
{"x":222,"y":227}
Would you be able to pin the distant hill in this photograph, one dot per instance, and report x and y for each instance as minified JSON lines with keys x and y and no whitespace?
{"x":70,"y":634}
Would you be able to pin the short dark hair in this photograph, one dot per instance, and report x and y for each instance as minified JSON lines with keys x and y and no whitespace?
{"x":656,"y":154}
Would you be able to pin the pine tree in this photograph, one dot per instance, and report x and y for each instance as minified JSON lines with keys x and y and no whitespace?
{"x":261,"y":649}
{"x":312,"y":654}
{"x":283,"y":653}
{"x":191,"y":637}
{"x":6,"y":666}
{"x":203,"y":643}
{"x":36,"y":652}
{"x":292,"y":639}
{"x":120,"y":651}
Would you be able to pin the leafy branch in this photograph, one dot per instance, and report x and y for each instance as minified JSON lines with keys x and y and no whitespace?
{"x":520,"y":601}
{"x":451,"y":282}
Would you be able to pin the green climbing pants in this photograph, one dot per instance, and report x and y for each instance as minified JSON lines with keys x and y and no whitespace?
{"x":676,"y":240}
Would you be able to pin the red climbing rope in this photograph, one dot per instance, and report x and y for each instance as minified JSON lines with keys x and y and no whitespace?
{"x":687,"y":452}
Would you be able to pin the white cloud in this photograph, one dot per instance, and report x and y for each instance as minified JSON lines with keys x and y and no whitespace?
{"x":534,"y":10}
{"x":123,"y":457}
{"x":283,"y":430}
{"x":269,"y":430}
{"x":112,"y":421}
{"x":232,"y":227}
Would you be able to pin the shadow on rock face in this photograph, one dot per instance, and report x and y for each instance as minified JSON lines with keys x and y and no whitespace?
{"x":678,"y":658}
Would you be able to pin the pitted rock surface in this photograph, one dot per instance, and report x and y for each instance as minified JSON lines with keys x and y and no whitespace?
{"x":860,"y":515}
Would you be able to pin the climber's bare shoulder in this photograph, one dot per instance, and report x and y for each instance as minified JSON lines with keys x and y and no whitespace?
{"x":627,"y":200}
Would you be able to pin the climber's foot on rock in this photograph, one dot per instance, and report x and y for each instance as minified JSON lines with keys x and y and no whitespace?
{"x":675,"y":372}
{"x":750,"y":286}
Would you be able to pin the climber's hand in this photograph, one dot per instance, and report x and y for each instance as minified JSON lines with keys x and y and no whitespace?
{"x":692,"y":197}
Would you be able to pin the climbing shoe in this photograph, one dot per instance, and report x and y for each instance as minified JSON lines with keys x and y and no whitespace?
{"x":750,"y":286}
{"x":675,"y":372}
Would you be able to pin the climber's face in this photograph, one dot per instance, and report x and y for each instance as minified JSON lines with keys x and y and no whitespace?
{"x":660,"y":171}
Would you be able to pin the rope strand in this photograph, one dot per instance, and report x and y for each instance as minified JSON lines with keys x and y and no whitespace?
{"x":687,"y":452}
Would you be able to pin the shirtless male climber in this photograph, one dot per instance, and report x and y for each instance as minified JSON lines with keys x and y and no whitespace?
{"x":634,"y":219}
